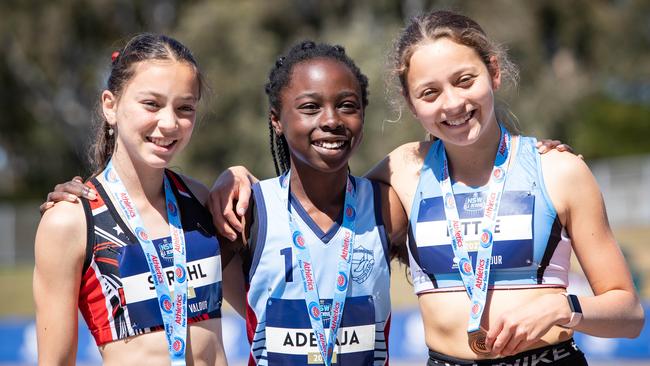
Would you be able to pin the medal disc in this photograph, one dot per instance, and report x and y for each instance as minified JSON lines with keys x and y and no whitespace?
{"x":477,"y":342}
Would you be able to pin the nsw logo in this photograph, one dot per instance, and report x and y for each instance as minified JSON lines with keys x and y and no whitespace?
{"x":449,"y":200}
{"x":476,"y":310}
{"x":349,"y":212}
{"x":178,"y":346}
{"x":486,"y":238}
{"x":314,"y":310}
{"x":298,"y":240}
{"x":166,"y":304}
{"x":141,"y":234}
{"x":465,"y":266}
{"x":342,"y":281}
{"x":171,"y":208}
{"x":180,"y":273}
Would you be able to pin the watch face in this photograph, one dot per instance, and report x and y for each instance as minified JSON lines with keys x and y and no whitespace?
{"x":574,"y":304}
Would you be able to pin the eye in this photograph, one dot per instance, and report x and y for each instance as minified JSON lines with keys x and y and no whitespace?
{"x":466,"y":81}
{"x":309,"y":107}
{"x":429,"y":93}
{"x":349,"y":106}
{"x":187,"y":108}
{"x":150,"y":104}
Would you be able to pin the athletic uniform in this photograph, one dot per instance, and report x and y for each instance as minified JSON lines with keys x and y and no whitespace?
{"x":117,"y":297}
{"x":531,"y":249}
{"x":277,"y":320}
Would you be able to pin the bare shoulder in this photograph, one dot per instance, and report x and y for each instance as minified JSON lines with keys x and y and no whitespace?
{"x":62,"y":232}
{"x":568,"y":181}
{"x":564,"y":167}
{"x":199,"y":189}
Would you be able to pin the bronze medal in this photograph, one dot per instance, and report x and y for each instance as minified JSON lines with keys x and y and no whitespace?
{"x":477,"y":342}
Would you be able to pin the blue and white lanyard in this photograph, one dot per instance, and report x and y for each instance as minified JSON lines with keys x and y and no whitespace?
{"x":173,"y":311}
{"x":312,"y":299}
{"x":476,"y":282}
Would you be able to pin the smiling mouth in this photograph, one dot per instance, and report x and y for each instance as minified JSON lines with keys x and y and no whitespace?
{"x":330,"y":145}
{"x":461,"y":120}
{"x":162,"y":142}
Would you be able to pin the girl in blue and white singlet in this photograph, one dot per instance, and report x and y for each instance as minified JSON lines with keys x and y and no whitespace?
{"x":491,"y":223}
{"x":317,"y":255}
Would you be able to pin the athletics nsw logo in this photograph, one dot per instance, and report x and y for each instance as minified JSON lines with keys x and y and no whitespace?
{"x":298,"y":240}
{"x":498,"y":174}
{"x":349,"y":212}
{"x":141,"y":234}
{"x":178,"y":346}
{"x":486,"y":238}
{"x":314,"y":310}
{"x":475,"y":311}
{"x":449,"y":200}
{"x":166,"y":304}
{"x":111,"y":176}
{"x":171,"y":208}
{"x":342,"y":281}
{"x":465,"y":267}
{"x":180,"y":273}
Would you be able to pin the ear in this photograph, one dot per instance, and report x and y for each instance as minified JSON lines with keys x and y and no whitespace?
{"x":275,"y":122}
{"x":109,"y":107}
{"x":495,"y":72}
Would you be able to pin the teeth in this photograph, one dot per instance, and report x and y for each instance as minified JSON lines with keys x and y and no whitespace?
{"x":460,"y":121}
{"x":161,"y":141}
{"x":329,"y":145}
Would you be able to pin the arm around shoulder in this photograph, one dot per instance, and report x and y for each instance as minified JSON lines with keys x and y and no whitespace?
{"x":395,"y":222}
{"x":401,"y":159}
{"x":615,"y":310}
{"x":60,"y":248}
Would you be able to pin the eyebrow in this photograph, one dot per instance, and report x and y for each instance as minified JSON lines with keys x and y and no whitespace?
{"x":343,"y":94}
{"x":189,"y":97}
{"x":459,"y":70}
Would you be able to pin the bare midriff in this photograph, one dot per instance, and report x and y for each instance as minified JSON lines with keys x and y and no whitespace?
{"x":204,"y":340}
{"x":445,"y":316}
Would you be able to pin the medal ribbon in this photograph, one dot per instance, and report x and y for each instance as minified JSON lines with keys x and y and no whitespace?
{"x":173,"y":312}
{"x":476,"y":282}
{"x":312,"y":299}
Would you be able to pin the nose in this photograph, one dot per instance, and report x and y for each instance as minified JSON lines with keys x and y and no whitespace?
{"x":330,"y":119}
{"x":452,"y":101}
{"x":167,"y":119}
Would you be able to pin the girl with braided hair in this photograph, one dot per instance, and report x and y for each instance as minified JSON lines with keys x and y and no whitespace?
{"x":317,"y":259}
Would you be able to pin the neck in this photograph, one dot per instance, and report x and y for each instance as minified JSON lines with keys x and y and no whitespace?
{"x":143,"y":183}
{"x":472,"y":164}
{"x":323,"y":191}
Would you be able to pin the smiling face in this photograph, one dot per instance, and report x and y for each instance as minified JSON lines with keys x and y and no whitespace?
{"x":155,"y":113}
{"x":321,"y":115}
{"x":451,"y":91}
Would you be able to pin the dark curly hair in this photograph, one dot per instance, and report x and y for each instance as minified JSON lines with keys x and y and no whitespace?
{"x":280,"y":76}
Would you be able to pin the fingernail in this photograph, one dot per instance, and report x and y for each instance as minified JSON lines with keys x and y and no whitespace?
{"x":91,"y":195}
{"x":241,"y":211}
{"x":232,"y":237}
{"x":72,"y":198}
